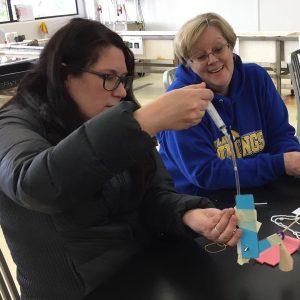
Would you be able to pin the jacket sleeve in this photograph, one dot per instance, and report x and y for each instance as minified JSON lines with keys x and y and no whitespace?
{"x":163,"y":208}
{"x":50,"y":178}
{"x":193,"y":153}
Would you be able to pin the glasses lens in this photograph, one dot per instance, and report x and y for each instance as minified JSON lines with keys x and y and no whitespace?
{"x":219,"y":51}
{"x":111,"y":82}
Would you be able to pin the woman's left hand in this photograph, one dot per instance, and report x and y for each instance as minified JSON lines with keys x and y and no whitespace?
{"x":217,"y":225}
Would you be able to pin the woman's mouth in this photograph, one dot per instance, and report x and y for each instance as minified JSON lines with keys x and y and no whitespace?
{"x":216,"y":70}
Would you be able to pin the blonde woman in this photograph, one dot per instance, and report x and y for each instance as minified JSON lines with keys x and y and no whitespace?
{"x":245,"y":97}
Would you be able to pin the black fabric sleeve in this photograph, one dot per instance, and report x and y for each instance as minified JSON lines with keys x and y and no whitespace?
{"x":164,"y":208}
{"x":50,"y":178}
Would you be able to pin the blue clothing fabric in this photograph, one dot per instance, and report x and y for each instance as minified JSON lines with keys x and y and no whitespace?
{"x":198,"y":158}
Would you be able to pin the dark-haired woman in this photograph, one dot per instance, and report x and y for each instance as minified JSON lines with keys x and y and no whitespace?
{"x":82,"y":187}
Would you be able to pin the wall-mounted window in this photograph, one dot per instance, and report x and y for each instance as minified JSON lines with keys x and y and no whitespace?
{"x":4,"y":14}
{"x":40,"y":8}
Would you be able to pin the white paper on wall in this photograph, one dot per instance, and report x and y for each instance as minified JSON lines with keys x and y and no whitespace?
{"x":135,"y":44}
{"x":24,"y":12}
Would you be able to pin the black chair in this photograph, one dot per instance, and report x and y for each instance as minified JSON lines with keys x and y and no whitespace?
{"x":294,"y":68}
{"x":8,"y":289}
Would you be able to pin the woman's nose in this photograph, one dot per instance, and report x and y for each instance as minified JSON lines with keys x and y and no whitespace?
{"x":211,"y":58}
{"x":120,"y":91}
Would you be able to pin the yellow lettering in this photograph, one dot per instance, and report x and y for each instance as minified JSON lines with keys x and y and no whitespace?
{"x":254,"y":142}
{"x":246,"y":145}
{"x":261,"y":140}
{"x":220,"y":152}
{"x":227,"y":151}
{"x":224,"y":140}
{"x":238,"y":148}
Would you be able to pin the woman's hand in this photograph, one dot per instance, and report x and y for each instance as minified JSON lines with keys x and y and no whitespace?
{"x":217,"y":225}
{"x":292,"y":163}
{"x":175,"y":110}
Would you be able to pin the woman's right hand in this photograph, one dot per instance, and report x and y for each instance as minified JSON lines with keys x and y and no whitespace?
{"x":216,"y":225}
{"x":175,"y":110}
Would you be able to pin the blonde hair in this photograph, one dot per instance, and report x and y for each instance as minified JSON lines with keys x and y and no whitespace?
{"x":190,"y":32}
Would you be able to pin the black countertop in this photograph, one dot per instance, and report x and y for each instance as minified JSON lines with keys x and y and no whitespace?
{"x":176,"y":269}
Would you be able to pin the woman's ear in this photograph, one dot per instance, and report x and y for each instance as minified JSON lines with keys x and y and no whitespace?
{"x":65,"y":74}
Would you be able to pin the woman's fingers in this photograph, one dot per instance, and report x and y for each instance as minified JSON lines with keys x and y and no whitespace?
{"x":235,"y":238}
{"x":225,"y":231}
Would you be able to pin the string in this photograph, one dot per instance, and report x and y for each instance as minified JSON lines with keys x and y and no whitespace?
{"x":277,"y":219}
{"x":296,"y":221}
{"x":211,"y":245}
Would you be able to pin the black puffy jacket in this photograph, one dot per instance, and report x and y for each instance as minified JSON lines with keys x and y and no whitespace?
{"x":68,"y":212}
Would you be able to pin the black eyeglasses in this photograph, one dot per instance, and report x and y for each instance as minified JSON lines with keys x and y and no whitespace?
{"x":112,"y":81}
{"x":216,"y":52}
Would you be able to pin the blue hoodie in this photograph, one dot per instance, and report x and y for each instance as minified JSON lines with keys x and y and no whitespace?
{"x":198,"y":158}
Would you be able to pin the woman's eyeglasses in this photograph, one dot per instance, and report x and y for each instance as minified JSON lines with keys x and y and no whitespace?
{"x":112,"y":81}
{"x":216,"y":52}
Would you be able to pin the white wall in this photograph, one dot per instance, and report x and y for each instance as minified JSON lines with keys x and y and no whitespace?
{"x":31,"y":28}
{"x":171,"y":14}
{"x":243,"y":15}
{"x":281,"y":15}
